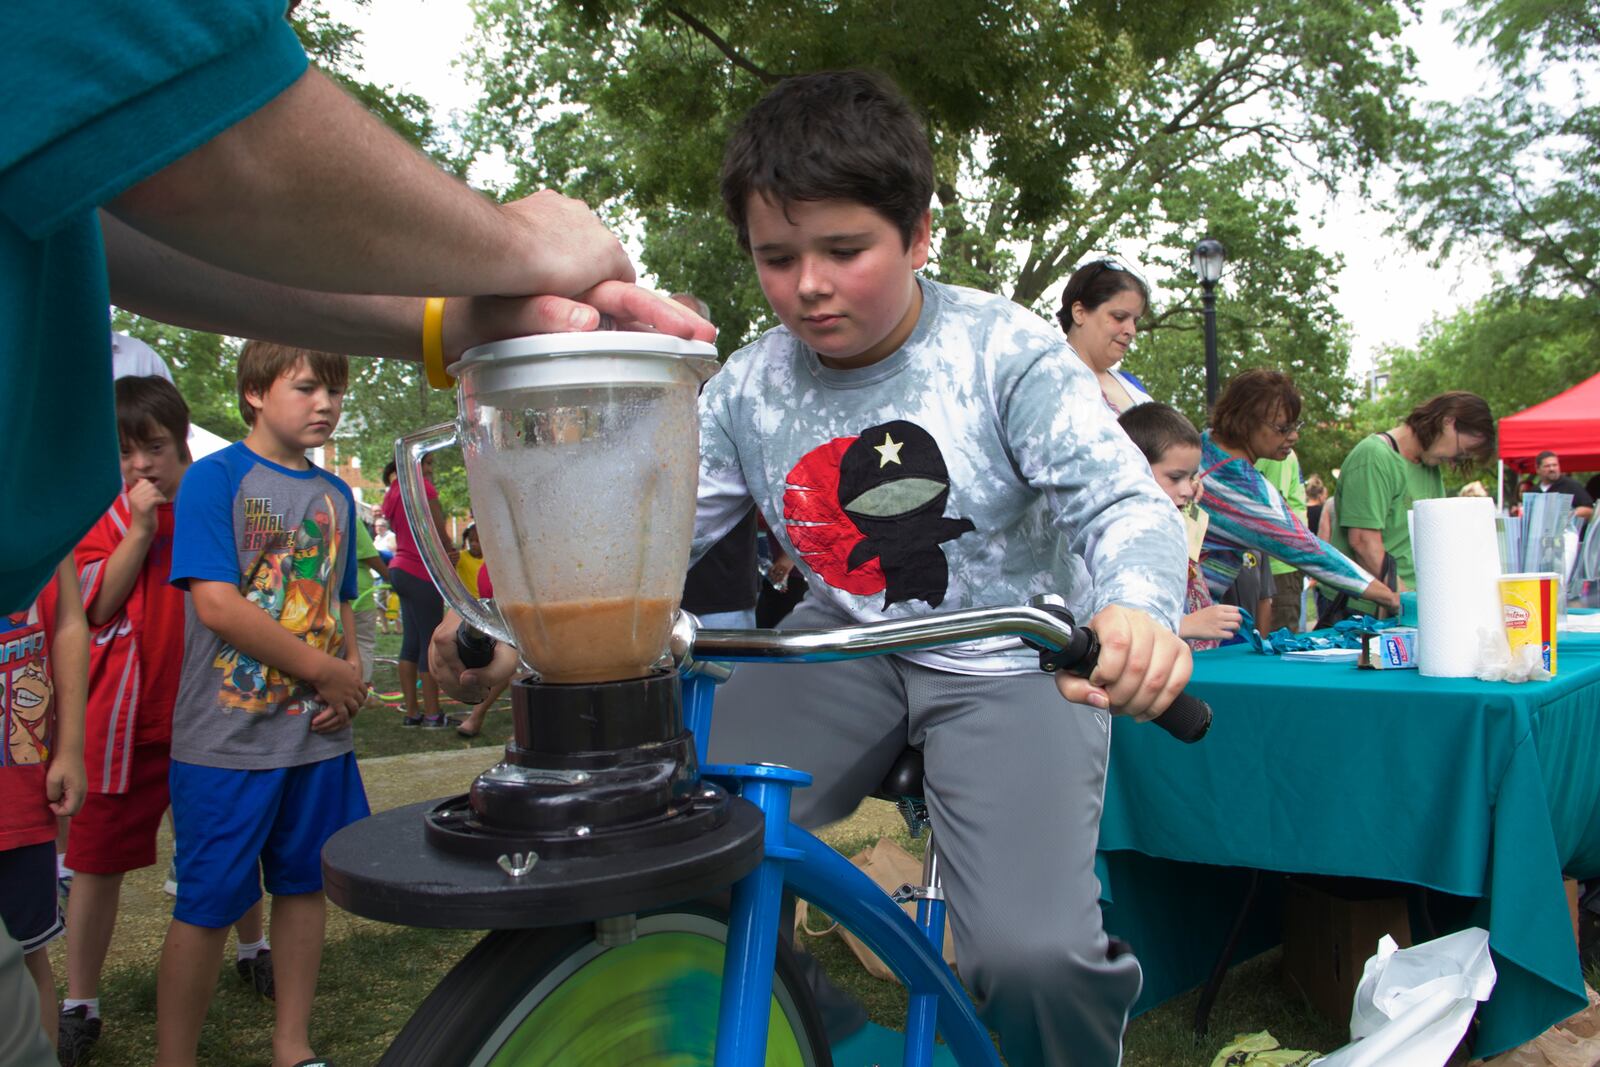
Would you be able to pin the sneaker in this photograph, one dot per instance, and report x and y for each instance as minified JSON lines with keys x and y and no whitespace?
{"x":440,"y":722}
{"x":412,"y":720}
{"x":76,"y":1036}
{"x":170,"y":886}
{"x":256,"y":973}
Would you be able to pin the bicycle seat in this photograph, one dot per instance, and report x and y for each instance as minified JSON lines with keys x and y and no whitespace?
{"x":904,"y":778}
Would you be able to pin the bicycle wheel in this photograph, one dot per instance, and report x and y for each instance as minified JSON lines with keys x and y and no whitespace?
{"x":558,"y":998}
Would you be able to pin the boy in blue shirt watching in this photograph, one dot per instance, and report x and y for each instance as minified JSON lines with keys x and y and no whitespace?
{"x":263,"y":770}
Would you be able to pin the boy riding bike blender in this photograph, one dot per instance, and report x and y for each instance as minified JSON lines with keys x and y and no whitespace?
{"x":917,"y":446}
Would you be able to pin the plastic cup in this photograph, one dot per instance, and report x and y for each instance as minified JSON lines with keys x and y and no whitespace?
{"x":1528,"y":602}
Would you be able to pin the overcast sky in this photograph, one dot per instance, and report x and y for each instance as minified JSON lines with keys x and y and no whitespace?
{"x":1385,"y":291}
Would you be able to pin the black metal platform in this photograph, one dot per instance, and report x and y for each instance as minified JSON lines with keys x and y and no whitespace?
{"x":383,"y":868}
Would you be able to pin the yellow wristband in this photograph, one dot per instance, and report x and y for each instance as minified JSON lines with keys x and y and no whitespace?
{"x":433,"y":343}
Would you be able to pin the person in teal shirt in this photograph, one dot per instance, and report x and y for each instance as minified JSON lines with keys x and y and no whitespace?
{"x":183,"y":161}
{"x":129,"y":175}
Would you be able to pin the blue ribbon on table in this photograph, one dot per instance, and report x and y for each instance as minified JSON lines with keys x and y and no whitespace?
{"x":1345,"y":634}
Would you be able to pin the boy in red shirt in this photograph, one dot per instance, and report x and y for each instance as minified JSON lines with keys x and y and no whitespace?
{"x":44,"y":665}
{"x":138,"y":619}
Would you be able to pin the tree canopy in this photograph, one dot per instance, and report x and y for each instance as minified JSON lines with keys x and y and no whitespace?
{"x":1515,"y":173}
{"x":1059,"y":131}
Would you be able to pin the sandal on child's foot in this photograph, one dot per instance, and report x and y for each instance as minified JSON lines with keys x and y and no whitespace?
{"x":256,"y":973}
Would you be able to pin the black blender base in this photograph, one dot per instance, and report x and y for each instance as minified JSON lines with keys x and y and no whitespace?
{"x":383,"y":868}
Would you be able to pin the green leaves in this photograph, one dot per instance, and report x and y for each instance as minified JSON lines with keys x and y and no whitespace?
{"x":1059,"y":131}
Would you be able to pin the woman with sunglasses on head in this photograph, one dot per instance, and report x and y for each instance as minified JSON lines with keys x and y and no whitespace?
{"x":1100,"y":310}
{"x":1258,"y":417}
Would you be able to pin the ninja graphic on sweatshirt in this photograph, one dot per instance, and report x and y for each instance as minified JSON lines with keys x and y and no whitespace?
{"x":885,"y":522}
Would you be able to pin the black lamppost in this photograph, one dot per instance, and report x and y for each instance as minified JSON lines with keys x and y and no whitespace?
{"x":1209,"y":256}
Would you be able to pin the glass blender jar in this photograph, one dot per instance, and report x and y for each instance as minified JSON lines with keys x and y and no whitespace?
{"x":582,"y":456}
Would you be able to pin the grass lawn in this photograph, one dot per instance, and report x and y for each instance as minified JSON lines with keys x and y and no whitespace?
{"x":373,"y":975}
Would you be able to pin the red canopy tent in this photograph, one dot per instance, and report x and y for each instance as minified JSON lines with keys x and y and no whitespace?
{"x":1567,"y":424}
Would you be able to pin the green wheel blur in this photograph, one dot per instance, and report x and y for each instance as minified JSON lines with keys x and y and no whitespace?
{"x":558,"y":998}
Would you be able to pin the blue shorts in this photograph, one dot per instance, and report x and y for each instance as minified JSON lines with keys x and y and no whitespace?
{"x":236,"y":829}
{"x":29,"y":906}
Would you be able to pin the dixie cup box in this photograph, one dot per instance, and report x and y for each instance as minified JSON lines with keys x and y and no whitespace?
{"x":1387,"y":650}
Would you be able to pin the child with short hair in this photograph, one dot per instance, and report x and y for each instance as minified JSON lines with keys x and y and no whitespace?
{"x":263,"y":770}
{"x":1171,"y":445}
{"x":44,"y":668}
{"x":918,"y":446}
{"x":123,"y":564}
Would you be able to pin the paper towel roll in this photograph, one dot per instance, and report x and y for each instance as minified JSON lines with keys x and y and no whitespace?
{"x":1458,"y":595}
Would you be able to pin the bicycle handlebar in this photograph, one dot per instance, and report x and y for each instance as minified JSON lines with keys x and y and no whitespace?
{"x":1045,"y":627}
{"x":1048,"y":629}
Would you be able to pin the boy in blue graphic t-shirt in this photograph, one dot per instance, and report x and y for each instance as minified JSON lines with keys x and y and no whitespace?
{"x":263,"y":771}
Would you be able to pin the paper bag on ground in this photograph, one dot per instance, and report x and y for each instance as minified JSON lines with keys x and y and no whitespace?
{"x":1573,"y":1042}
{"x":1413,"y":1005}
{"x":890,"y":866}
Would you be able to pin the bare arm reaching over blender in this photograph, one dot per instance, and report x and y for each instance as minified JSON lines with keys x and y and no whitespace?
{"x":204,"y":242}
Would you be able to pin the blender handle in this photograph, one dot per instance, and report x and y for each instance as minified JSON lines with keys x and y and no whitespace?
{"x":408,"y":454}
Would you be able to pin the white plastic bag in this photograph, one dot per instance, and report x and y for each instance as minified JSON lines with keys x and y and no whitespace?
{"x":1413,"y":1005}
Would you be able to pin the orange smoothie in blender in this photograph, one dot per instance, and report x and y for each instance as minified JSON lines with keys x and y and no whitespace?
{"x":599,"y":639}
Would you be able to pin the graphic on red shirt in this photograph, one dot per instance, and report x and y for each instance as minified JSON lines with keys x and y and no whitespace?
{"x":866,"y":513}
{"x":27,"y":720}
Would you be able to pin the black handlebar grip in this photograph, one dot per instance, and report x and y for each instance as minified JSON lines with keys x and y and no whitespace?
{"x":475,"y":647}
{"x":1187,"y":718}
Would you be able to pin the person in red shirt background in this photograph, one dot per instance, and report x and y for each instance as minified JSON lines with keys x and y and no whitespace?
{"x":137,"y":621}
{"x":43,"y":663}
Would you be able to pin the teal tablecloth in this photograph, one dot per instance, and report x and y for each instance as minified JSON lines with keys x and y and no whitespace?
{"x":1487,"y":791}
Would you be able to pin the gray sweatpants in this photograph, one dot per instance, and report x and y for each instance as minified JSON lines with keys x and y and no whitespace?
{"x":1015,"y":779}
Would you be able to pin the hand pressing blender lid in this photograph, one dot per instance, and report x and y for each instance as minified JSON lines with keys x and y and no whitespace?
{"x":582,"y":455}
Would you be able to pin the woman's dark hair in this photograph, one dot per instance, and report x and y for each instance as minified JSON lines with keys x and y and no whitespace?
{"x":388,"y":473}
{"x":1470,"y":412}
{"x":1096,"y":282}
{"x":1251,"y":400}
{"x":837,"y":135}
{"x":148,"y":405}
{"x":1155,"y":428}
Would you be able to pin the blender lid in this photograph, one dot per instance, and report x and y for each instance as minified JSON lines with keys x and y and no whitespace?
{"x":584,"y":343}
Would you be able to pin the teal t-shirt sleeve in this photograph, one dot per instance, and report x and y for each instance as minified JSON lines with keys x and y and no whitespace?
{"x":99,"y":96}
{"x":1367,"y":488}
{"x":203,"y":544}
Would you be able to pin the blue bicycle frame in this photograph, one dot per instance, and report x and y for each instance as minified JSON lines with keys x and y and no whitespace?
{"x":797,"y":860}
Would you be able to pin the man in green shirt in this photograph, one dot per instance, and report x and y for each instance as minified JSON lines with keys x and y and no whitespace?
{"x":1284,"y":476}
{"x":1386,"y":473}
